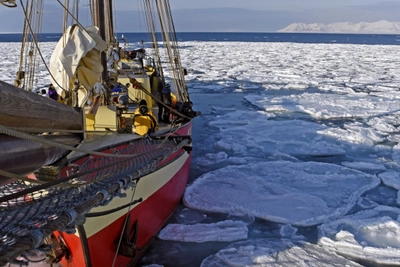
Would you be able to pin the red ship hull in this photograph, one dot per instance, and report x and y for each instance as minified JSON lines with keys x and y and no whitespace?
{"x":160,"y":192}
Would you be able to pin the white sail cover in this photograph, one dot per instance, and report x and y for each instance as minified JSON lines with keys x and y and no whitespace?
{"x":77,"y":56}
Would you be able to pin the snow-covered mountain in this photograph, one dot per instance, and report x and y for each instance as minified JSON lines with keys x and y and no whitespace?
{"x":382,"y":26}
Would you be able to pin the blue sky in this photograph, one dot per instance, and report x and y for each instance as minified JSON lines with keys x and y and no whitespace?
{"x":231,"y":15}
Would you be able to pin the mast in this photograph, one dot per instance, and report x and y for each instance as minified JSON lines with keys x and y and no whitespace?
{"x":110,"y":22}
{"x":99,"y":21}
{"x":150,"y":21}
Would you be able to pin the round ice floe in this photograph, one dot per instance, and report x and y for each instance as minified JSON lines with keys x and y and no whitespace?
{"x":301,"y":194}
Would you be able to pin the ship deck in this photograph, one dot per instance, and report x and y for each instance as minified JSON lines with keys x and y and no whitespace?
{"x":96,"y":141}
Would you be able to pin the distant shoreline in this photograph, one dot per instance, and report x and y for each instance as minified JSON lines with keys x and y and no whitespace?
{"x":135,"y":39}
{"x":378,"y":27}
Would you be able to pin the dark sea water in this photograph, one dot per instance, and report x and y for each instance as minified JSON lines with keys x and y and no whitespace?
{"x":371,"y":39}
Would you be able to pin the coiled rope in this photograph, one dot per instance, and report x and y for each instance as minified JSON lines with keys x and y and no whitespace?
{"x":8,"y":3}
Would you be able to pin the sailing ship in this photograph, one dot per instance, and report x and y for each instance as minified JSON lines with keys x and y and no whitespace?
{"x":91,"y":178}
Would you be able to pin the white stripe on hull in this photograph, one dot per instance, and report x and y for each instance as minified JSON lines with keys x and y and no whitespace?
{"x":147,"y":186}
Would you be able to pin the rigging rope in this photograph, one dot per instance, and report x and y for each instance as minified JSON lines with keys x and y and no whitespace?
{"x":30,"y":212}
{"x":17,"y":81}
{"x":35,"y":21}
{"x":171,"y":47}
{"x":177,"y":59}
{"x":35,"y":42}
{"x":152,"y":29}
{"x":125,"y":225}
{"x":25,"y":136}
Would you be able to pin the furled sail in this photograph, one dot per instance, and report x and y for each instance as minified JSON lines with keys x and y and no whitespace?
{"x":77,"y":57}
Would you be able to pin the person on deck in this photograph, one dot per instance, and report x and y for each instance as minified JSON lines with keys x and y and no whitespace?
{"x":53,"y":93}
{"x":44,"y":93}
{"x":167,"y":100}
{"x":131,"y":54}
{"x":190,"y":112}
{"x":144,"y":120}
{"x":159,"y":97}
{"x":119,"y":94}
{"x":140,"y":53}
{"x":117,"y":89}
{"x":186,"y":109}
